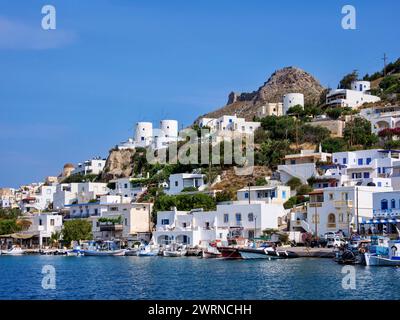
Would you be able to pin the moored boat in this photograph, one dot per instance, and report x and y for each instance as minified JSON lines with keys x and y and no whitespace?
{"x":211,"y":253}
{"x":148,"y":251}
{"x":103,"y":249}
{"x":14,"y":251}
{"x":390,"y":257}
{"x":230,"y":253}
{"x":175,"y":250}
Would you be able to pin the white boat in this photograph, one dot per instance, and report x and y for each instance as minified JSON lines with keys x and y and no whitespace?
{"x":392,"y":258}
{"x":211,"y":253}
{"x":102,"y":249}
{"x":14,"y":251}
{"x":148,"y":251}
{"x":175,"y":251}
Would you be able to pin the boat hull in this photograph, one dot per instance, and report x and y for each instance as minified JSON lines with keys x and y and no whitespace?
{"x":113,"y":253}
{"x":174,"y":253}
{"x":374,"y":260}
{"x":249,"y":254}
{"x":210,"y":255}
{"x":230,"y":253}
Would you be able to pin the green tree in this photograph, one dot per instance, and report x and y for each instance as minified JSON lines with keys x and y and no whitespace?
{"x":272,"y":152}
{"x":358,"y":132}
{"x":294,"y":183}
{"x":345,"y":83}
{"x":333,"y":145}
{"x":8,"y":226}
{"x":77,"y":229}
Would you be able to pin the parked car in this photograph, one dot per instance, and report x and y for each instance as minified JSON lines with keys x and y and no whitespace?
{"x":335,"y":242}
{"x":318,"y":243}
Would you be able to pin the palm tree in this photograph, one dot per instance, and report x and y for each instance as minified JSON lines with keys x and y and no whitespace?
{"x":55,"y":238}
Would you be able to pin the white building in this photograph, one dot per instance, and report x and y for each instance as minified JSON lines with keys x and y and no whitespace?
{"x":93,"y":166}
{"x":229,"y":124}
{"x":387,"y":117}
{"x":127,"y":188}
{"x":83,"y":192}
{"x":180,"y":181}
{"x":44,"y":225}
{"x":270,"y":109}
{"x":7,"y":198}
{"x":39,"y":201}
{"x":386,"y":213}
{"x":271,"y":194}
{"x":291,"y":100}
{"x":335,"y":209}
{"x":351,"y":98}
{"x":116,"y":217}
{"x":302,"y":165}
{"x":197,"y":228}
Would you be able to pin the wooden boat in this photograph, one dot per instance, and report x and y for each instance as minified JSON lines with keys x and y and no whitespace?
{"x":211,"y":253}
{"x":230,"y":253}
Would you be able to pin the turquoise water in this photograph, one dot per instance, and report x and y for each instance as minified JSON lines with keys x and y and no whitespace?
{"x":191,"y":278}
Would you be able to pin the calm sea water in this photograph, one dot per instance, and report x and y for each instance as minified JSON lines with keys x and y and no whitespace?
{"x":190,"y":278}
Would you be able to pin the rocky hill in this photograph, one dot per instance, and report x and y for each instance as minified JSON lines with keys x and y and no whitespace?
{"x":281,"y":82}
{"x":119,"y":164}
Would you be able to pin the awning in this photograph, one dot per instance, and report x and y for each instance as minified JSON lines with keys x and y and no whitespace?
{"x":22,"y":236}
{"x":381,"y":221}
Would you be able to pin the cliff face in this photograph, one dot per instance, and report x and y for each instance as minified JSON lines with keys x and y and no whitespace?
{"x":281,"y":82}
{"x":119,"y":164}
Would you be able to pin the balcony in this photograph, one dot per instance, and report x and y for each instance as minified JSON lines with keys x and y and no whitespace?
{"x":111,"y":227}
{"x":343,"y":204}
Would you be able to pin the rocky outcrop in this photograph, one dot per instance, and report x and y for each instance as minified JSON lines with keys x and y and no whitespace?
{"x":281,"y":82}
{"x":119,"y":164}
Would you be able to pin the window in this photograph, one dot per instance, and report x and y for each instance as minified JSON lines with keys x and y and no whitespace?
{"x":331,"y":218}
{"x":331,"y":196}
{"x":114,"y":209}
{"x":164,"y":222}
{"x":366,"y":175}
{"x":226,"y":218}
{"x":360,"y":162}
{"x":126,"y":186}
{"x":246,"y":195}
{"x":40,"y":222}
{"x":142,"y":138}
{"x":393,"y":204}
{"x":126,"y":221}
{"x":184,"y":224}
{"x":344,"y":160}
{"x":273,"y":194}
{"x":176,"y":183}
{"x":384,"y":204}
{"x":52,"y":222}
{"x":238,"y":217}
{"x":258,"y":194}
{"x":250,"y":217}
{"x":369,"y":160}
{"x":379,"y":170}
{"x":292,"y":161}
{"x":283,"y":194}
{"x":379,"y":184}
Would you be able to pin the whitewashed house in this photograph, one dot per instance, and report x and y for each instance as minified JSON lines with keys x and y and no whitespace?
{"x":40,"y":200}
{"x":351,"y":98}
{"x":270,"y":109}
{"x":382,"y":117}
{"x":386,"y":213}
{"x":302,"y":165}
{"x":228,"y":124}
{"x":336,"y":209}
{"x":83,"y":192}
{"x":180,"y":181}
{"x":278,"y":194}
{"x":116,"y":217}
{"x":44,"y":225}
{"x":93,"y":166}
{"x":127,"y":188}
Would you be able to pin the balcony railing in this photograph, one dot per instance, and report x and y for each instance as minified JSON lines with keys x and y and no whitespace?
{"x":111,"y":227}
{"x":331,"y":225}
{"x":343,"y":203}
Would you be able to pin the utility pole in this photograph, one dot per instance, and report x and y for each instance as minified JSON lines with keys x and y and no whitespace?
{"x":249,"y":192}
{"x":384,"y":64}
{"x":316,"y":221}
{"x":358,"y":225}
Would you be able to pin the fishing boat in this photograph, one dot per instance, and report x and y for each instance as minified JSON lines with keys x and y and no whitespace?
{"x":175,"y":250}
{"x":389,"y":257}
{"x":132,"y":252}
{"x":211,"y":253}
{"x":256,"y":253}
{"x":230,"y":253}
{"x":103,"y":249}
{"x":148,"y":251}
{"x":14,"y":251}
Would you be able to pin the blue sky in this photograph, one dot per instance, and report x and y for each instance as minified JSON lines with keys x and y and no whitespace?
{"x":72,"y":93}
